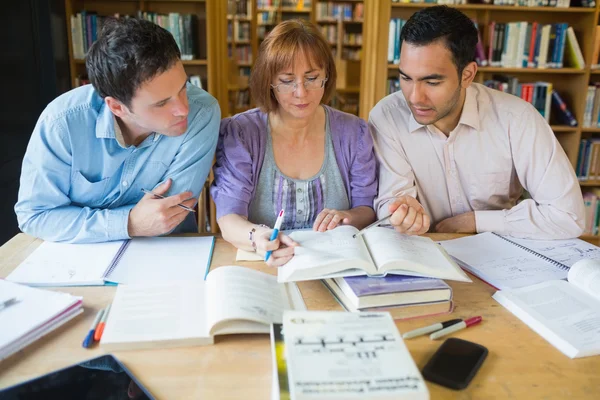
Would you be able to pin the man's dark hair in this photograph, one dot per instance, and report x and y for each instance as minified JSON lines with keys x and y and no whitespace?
{"x":129,"y":52}
{"x":454,"y":28}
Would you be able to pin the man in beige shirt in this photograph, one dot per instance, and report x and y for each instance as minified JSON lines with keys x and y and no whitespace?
{"x":455,"y":155}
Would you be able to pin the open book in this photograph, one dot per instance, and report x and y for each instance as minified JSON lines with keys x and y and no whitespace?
{"x":139,"y":260}
{"x":190,"y":313}
{"x":566,"y":314}
{"x":377,"y":252}
{"x":508,"y":263}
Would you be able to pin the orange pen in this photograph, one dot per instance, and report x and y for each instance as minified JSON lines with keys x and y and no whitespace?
{"x":100,"y":327}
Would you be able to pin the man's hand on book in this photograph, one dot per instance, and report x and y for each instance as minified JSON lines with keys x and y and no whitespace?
{"x":282,"y":248}
{"x":408,"y":216}
{"x":462,"y":223}
{"x":329,"y":219}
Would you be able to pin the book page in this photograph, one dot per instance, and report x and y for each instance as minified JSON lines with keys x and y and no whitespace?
{"x":341,"y":355}
{"x":325,"y":253}
{"x":66,"y":264}
{"x":559,"y":312}
{"x":249,"y":300}
{"x":566,"y":252}
{"x":149,"y":313}
{"x":410,"y":255}
{"x":501,"y":263}
{"x":585,"y":274}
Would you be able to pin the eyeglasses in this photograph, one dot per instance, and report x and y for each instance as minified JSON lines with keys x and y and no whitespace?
{"x":290,"y":87}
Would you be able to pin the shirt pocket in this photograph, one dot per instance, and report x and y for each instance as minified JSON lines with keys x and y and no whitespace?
{"x":489,"y":190}
{"x":87,"y":193}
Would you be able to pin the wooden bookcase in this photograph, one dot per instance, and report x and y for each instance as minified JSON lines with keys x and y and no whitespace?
{"x":263,"y":16}
{"x":571,"y":83}
{"x":211,"y":56}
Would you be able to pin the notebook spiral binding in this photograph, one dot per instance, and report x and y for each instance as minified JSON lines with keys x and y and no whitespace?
{"x":551,"y":261}
{"x":117,"y":258}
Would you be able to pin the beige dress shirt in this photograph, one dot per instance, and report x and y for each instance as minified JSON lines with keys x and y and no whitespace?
{"x":501,"y":145}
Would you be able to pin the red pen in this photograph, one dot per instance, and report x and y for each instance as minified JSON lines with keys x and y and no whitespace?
{"x":456,"y":327}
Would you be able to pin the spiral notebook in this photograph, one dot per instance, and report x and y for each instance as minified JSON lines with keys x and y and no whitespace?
{"x":139,"y":260}
{"x":510,"y":263}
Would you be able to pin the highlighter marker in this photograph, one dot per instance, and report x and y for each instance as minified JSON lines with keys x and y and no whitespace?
{"x":89,"y":339}
{"x":100,"y":328}
{"x":456,"y":327}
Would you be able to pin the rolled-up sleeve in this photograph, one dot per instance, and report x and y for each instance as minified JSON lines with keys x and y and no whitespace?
{"x":363,"y":170}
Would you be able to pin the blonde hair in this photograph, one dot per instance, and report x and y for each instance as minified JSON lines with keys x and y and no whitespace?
{"x":280,"y":49}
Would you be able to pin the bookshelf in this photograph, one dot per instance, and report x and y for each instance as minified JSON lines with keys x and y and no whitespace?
{"x":340,"y":20}
{"x":208,"y":60}
{"x":570,"y":83}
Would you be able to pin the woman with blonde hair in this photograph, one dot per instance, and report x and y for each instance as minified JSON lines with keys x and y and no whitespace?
{"x":293,"y":152}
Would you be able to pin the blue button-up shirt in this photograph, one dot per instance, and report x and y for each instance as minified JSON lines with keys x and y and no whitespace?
{"x":78,"y":183}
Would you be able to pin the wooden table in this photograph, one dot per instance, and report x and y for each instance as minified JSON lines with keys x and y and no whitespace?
{"x":520,"y":364}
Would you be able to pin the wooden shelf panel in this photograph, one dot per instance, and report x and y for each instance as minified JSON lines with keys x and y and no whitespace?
{"x":486,"y":7}
{"x":590,"y":130}
{"x":563,"y":128}
{"x":589,"y":183}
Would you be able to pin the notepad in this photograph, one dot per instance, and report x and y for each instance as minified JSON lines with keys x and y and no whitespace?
{"x":509,"y":263}
{"x":35,"y":313}
{"x":139,"y":260}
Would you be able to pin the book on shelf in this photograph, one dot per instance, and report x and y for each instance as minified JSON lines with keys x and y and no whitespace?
{"x":392,"y":290}
{"x":591,"y":202}
{"x":137,"y":260}
{"x":565,"y":313}
{"x":32,"y":314}
{"x":588,"y":161}
{"x":325,"y":354}
{"x":509,"y":263}
{"x":232,"y":300}
{"x":377,"y":252}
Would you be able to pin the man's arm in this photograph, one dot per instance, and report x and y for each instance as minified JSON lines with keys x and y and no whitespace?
{"x":556,"y":209}
{"x":44,"y":208}
{"x":396,"y":177}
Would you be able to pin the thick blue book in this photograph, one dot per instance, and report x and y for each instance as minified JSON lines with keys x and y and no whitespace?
{"x":391,"y":290}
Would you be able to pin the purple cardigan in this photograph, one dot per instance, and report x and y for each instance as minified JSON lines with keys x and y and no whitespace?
{"x":241,"y":151}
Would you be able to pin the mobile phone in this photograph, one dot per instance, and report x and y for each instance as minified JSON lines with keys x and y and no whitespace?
{"x":455,"y":363}
{"x":102,"y":377}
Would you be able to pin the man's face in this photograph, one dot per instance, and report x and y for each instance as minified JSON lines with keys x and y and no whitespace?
{"x":429,"y":81}
{"x":161,"y":104}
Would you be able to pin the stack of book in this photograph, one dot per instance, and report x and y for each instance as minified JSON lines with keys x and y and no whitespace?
{"x":402,"y":296}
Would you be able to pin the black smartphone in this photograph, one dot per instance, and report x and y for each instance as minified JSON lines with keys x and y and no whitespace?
{"x":455,"y":363}
{"x":102,"y":377}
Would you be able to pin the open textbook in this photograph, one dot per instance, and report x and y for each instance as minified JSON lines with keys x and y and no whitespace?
{"x":565,"y":313}
{"x":139,"y":260}
{"x":379,"y":251}
{"x":508,"y":263}
{"x":190,"y":313}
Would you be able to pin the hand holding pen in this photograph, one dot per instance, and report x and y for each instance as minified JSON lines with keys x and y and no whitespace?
{"x":156,"y":214}
{"x":278,"y":248}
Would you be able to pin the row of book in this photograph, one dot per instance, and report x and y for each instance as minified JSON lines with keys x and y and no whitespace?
{"x":238,"y":30}
{"x":516,"y":3}
{"x":243,"y":54}
{"x":239,"y":8}
{"x":591,"y":202}
{"x":87,"y":25}
{"x":514,"y":45}
{"x":81,"y":80}
{"x":591,"y":115}
{"x":296,"y":4}
{"x":540,"y":94}
{"x":588,"y":160}
{"x":334,"y":11}
{"x":351,"y":54}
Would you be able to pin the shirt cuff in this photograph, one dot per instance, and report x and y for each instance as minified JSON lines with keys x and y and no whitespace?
{"x":229,"y":205}
{"x":489,"y":221}
{"x":362,"y":201}
{"x":118,"y":219}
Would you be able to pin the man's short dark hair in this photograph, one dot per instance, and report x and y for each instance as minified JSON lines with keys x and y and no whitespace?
{"x":454,"y":28}
{"x":129,"y":52}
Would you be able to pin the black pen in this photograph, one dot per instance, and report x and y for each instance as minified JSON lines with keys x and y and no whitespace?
{"x":162,"y":197}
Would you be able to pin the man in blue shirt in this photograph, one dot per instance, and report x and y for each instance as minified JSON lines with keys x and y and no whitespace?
{"x":140,"y":125}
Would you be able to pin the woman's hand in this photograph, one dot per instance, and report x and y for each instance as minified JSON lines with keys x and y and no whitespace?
{"x":282,"y":247}
{"x":329,"y":219}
